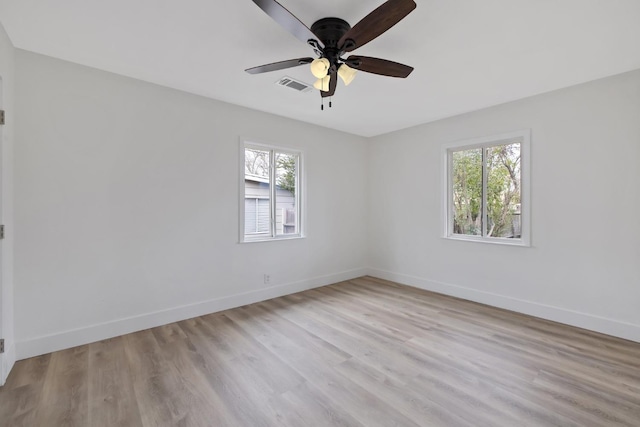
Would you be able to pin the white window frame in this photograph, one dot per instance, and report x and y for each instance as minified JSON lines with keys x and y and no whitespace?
{"x":521,"y":136}
{"x":299,"y":193}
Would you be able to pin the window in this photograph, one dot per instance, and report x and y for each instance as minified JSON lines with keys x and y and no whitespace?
{"x":270,"y":193}
{"x":487,"y":189}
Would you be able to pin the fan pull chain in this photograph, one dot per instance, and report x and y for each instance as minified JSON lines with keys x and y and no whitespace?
{"x":322,"y":103}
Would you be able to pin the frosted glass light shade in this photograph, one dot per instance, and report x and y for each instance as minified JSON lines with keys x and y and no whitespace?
{"x":323,"y":84}
{"x":347,"y":74}
{"x":320,"y":67}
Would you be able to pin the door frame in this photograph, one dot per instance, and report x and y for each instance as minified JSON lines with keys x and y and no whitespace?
{"x":4,"y":363}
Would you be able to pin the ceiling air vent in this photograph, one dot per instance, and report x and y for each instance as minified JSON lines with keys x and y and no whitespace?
{"x":294,"y":84}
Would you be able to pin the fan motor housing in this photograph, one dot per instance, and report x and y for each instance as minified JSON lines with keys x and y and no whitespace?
{"x":330,"y":30}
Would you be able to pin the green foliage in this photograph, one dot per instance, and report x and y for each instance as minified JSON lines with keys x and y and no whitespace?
{"x":503,"y":189}
{"x":467,"y":191}
{"x":286,"y":176}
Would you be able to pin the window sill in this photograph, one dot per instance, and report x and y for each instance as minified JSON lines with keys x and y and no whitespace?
{"x":491,"y":241}
{"x":259,"y":239}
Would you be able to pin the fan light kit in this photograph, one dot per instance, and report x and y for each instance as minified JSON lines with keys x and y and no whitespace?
{"x":320,"y":67}
{"x":331,"y":38}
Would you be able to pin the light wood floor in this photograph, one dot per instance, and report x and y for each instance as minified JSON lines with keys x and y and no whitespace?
{"x":359,"y":353}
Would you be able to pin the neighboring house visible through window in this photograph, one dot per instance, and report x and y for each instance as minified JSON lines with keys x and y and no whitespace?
{"x":487,"y":189}
{"x":270,"y":211}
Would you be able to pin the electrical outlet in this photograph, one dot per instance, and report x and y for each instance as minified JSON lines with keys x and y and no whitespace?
{"x":267,"y":279}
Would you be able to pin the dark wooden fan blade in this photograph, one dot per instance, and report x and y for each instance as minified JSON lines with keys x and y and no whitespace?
{"x":278,"y":65}
{"x":333,"y":83}
{"x":377,"y":22}
{"x":378,"y":66}
{"x":286,"y":19}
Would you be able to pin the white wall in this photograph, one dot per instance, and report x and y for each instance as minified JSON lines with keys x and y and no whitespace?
{"x":584,"y":265}
{"x":6,"y":215}
{"x":127,"y":206}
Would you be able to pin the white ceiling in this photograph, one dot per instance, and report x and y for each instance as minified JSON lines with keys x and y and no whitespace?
{"x":467,"y":54}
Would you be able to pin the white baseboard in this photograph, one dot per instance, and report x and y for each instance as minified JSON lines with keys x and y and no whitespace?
{"x":92,"y":333}
{"x":603,"y":325}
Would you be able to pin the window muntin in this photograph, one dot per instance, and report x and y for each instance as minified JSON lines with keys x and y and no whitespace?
{"x":270,"y":211}
{"x":487,"y":189}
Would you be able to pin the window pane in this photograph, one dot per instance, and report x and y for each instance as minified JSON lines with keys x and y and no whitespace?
{"x":256,"y":216}
{"x":467,"y":192}
{"x":256,"y":163}
{"x":256,"y":192}
{"x":263,"y":216}
{"x":503,"y":191}
{"x":250,"y":216}
{"x":286,"y":209}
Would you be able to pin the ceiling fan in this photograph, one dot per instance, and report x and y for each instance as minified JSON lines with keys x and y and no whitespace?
{"x":331,"y":38}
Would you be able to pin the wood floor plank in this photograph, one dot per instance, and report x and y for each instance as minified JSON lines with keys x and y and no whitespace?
{"x":267,"y":369}
{"x":366,"y":407}
{"x":19,"y":406}
{"x":21,"y":395}
{"x":378,"y":355}
{"x":365,"y":352}
{"x":243,"y":393}
{"x":423,"y":411}
{"x":29,"y":371}
{"x":168,"y":389}
{"x":64,"y":400}
{"x":329,"y":353}
{"x":318,"y":410}
{"x":111,"y":397}
{"x":196,"y":403}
